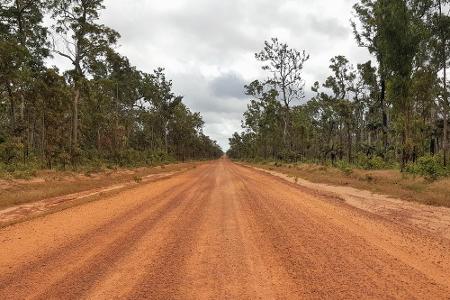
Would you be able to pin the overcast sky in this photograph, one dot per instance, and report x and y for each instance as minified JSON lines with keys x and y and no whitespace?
{"x":207,"y":46}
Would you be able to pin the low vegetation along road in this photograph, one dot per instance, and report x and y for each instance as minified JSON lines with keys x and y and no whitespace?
{"x":221,"y":230}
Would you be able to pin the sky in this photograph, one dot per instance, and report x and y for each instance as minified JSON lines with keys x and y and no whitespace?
{"x":207,"y":47}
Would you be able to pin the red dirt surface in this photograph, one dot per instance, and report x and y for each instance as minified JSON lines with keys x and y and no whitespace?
{"x":221,"y":231}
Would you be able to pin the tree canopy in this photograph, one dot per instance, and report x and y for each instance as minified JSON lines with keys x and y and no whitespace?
{"x":102,"y":109}
{"x":393,"y":109}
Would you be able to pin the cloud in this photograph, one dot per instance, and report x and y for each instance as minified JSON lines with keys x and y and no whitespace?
{"x":228,"y":85}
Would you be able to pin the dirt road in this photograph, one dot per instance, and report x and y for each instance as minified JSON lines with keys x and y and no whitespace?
{"x":221,"y":231}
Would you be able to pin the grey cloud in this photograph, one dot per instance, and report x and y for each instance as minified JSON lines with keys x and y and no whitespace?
{"x":330,"y":27}
{"x":228,"y":85}
{"x":221,"y":113}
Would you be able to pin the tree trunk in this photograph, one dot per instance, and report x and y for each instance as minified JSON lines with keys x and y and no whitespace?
{"x":28,"y":145}
{"x":445,"y":95}
{"x":349,"y":143}
{"x":406,"y":131}
{"x":285,"y":127}
{"x":286,"y":113}
{"x":384,"y":115}
{"x":445,"y":135}
{"x":43,"y":134}
{"x":166,"y":136}
{"x":76,"y":100}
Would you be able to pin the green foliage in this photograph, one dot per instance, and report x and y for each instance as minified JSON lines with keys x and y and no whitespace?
{"x":345,"y":167}
{"x":19,"y":169}
{"x":430,"y":167}
{"x":380,"y":114}
{"x":372,"y":163}
{"x":102,"y":113}
{"x":11,"y":151}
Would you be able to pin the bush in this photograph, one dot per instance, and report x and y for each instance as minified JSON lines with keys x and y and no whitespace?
{"x":11,"y":151}
{"x":19,"y":170}
{"x":289,"y":156}
{"x":430,"y":167}
{"x":371,"y":163}
{"x":344,"y":167}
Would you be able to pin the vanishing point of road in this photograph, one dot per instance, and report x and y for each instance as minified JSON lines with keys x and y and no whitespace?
{"x":220,"y":231}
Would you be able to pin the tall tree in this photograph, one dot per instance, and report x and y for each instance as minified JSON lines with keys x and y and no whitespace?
{"x":84,"y":42}
{"x":286,"y":66}
{"x":342,"y":83}
{"x":401,"y":37}
{"x":163,"y":101}
{"x":368,"y":34}
{"x":22,"y":22}
{"x":440,"y":26}
{"x":23,"y":35}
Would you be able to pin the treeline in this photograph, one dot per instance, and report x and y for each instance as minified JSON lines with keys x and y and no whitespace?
{"x":103,"y":108}
{"x":392,"y":110}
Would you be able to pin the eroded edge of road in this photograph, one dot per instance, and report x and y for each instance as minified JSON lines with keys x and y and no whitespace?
{"x":24,"y":212}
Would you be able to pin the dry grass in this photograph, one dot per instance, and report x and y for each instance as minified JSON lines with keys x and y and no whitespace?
{"x":387,"y":182}
{"x":49,"y":184}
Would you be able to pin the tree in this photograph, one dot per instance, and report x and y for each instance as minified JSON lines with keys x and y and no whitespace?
{"x":22,"y":22}
{"x":401,"y":38}
{"x":439,"y":30}
{"x":24,"y":48}
{"x":127,"y":117}
{"x":342,"y":83}
{"x":370,"y":15}
{"x":84,"y":42}
{"x":158,"y":93}
{"x":286,"y":67}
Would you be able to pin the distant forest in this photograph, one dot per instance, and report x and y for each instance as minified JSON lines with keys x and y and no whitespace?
{"x":101,"y":110}
{"x":390,"y":111}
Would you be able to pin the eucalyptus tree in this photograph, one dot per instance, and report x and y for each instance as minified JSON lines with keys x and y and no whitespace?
{"x":285,"y":66}
{"x":368,"y":34}
{"x":22,"y":22}
{"x":24,"y":47}
{"x":393,"y":30}
{"x":439,"y":30}
{"x":342,"y":83}
{"x":117,"y":87}
{"x":126,"y":116}
{"x":84,"y":41}
{"x":264,"y":118}
{"x":402,"y":36}
{"x":158,"y":92}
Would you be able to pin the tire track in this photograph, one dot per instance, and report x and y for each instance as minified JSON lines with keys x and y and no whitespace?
{"x":307,"y":255}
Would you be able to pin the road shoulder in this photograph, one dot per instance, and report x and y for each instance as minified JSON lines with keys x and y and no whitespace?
{"x":430,"y":218}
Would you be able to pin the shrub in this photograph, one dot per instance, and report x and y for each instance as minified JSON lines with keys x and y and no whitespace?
{"x":344,"y":167}
{"x":429,"y":167}
{"x":371,"y":163}
{"x":375,"y":163}
{"x":11,"y":151}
